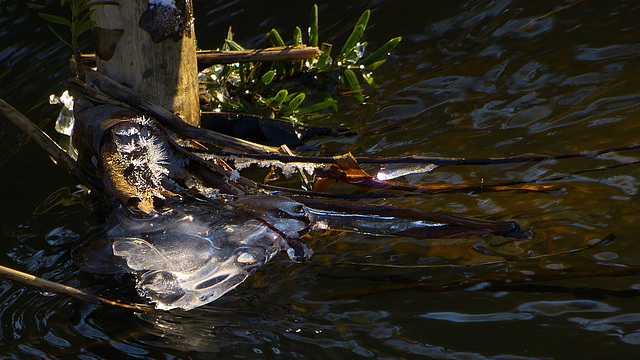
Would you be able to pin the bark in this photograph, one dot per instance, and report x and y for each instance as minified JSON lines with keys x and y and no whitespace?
{"x":152,"y":50}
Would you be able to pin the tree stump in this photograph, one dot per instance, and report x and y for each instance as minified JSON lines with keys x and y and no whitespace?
{"x":149,"y":46}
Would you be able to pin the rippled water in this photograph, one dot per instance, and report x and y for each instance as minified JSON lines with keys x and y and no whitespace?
{"x":470,"y":78}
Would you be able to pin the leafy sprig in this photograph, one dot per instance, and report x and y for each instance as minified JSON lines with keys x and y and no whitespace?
{"x":78,"y":22}
{"x":295,"y":89}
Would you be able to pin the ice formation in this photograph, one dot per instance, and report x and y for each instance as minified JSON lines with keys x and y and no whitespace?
{"x":190,"y":255}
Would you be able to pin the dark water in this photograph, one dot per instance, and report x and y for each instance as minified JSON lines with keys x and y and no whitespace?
{"x":471,"y":78}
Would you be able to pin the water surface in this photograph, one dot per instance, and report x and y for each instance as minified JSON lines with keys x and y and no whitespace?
{"x":470,"y":78}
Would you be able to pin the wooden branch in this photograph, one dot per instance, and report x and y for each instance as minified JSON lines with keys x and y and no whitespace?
{"x":435,"y":160}
{"x":40,"y":137}
{"x":208,"y":58}
{"x":69,"y":291}
{"x":122,"y":94}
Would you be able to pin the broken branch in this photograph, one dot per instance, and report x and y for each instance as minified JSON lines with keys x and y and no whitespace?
{"x":207,"y":58}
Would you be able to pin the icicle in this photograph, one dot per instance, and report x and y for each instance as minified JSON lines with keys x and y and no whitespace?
{"x":393,"y":171}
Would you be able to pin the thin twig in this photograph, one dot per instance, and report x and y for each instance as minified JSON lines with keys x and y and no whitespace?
{"x":69,"y":291}
{"x":40,"y":137}
{"x":435,"y":160}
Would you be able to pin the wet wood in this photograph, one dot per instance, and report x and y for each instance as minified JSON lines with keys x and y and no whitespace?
{"x":112,"y":92}
{"x":54,"y":287}
{"x":207,"y":58}
{"x":164,"y":71}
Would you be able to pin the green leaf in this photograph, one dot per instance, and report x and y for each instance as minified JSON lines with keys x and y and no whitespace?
{"x":268,"y":77}
{"x":59,"y":37}
{"x":376,"y":64}
{"x":279,"y":98}
{"x":380,"y":53}
{"x":295,"y":103}
{"x":351,"y":42}
{"x":364,"y":19}
{"x":353,"y":84}
{"x":55,"y":19}
{"x":369,"y":79}
{"x":313,"y":26}
{"x":324,"y":57}
{"x":327,"y":103}
{"x":273,"y":38}
{"x":35,"y":6}
{"x":229,"y":34}
{"x":84,"y":26}
{"x":297,"y":36}
{"x":233,"y":45}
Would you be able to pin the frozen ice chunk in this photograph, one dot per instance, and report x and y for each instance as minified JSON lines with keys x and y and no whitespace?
{"x":192,"y":254}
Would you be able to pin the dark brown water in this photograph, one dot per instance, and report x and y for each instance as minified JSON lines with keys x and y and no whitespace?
{"x":471,"y":78}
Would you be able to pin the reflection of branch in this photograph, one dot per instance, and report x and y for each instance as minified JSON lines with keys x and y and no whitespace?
{"x":508,"y":259}
{"x":486,"y":281}
{"x":207,"y":58}
{"x":69,"y":291}
{"x":489,"y":280}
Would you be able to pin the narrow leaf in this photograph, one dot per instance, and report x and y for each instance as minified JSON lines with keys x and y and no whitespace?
{"x":351,"y":42}
{"x":381,"y":53}
{"x":273,"y":38}
{"x":324,"y":57}
{"x":279,"y":98}
{"x":353,"y":84}
{"x":369,"y":79}
{"x":59,"y":37}
{"x":327,"y":103}
{"x":55,"y":19}
{"x":233,"y":45}
{"x":268,"y":77}
{"x":313,"y":26}
{"x":35,"y":6}
{"x":297,"y":36}
{"x":364,"y":19}
{"x":84,"y":26}
{"x":295,"y":103}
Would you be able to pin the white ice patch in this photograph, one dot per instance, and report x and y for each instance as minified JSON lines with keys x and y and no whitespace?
{"x":167,"y":3}
{"x":288,"y":168}
{"x":393,"y":171}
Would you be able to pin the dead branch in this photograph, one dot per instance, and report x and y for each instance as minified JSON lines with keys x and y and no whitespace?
{"x":435,"y":160}
{"x":40,"y":137}
{"x":207,"y":58}
{"x":61,"y":289}
{"x":105,"y":89}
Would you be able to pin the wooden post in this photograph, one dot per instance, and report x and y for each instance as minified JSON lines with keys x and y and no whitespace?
{"x":149,"y":46}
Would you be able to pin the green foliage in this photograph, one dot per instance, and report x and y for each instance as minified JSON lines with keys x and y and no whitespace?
{"x":78,"y":23}
{"x":298,"y":90}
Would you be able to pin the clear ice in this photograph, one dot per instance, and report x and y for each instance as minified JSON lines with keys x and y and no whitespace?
{"x":190,"y":255}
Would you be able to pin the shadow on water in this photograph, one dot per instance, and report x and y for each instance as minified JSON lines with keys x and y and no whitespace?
{"x":481,"y":78}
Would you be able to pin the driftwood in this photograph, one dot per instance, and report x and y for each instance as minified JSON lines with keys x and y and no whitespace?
{"x":207,"y":58}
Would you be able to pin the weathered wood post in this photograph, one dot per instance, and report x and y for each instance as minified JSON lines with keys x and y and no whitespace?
{"x":149,"y":46}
